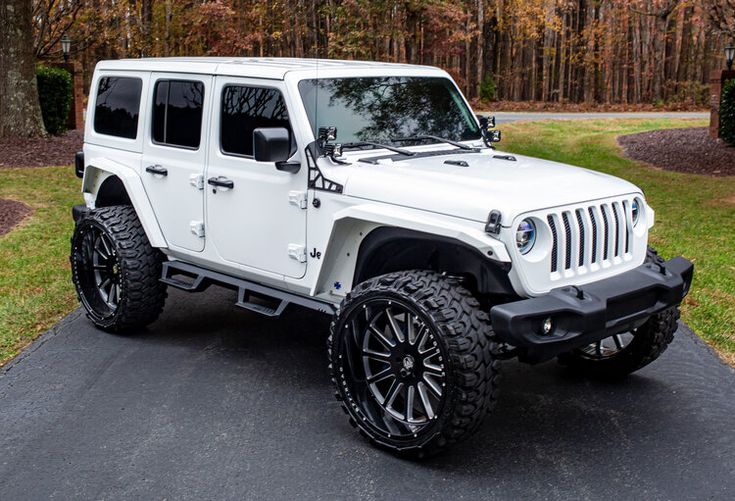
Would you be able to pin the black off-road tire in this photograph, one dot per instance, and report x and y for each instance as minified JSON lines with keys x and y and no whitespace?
{"x":649,"y":342}
{"x":462,"y":331}
{"x":137,"y":270}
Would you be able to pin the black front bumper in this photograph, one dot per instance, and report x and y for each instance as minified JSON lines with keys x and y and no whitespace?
{"x":586,"y":314}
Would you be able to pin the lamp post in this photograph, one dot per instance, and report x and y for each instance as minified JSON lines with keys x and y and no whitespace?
{"x":729,"y":56}
{"x":65,"y":46}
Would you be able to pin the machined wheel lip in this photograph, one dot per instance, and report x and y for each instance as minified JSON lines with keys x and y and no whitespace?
{"x":408,"y":392}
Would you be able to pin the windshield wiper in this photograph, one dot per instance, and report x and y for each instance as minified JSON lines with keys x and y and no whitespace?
{"x":435,"y":138}
{"x":378,"y":145}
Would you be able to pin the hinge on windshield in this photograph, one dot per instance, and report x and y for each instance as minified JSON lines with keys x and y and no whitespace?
{"x":493,"y":222}
{"x":297,"y":198}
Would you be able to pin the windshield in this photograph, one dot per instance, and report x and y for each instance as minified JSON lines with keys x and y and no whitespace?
{"x":380,"y":109}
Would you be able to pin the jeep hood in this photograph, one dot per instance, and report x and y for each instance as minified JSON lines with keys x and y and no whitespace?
{"x":488,"y":182}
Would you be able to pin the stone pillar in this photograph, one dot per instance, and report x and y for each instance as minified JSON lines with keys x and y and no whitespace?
{"x":75,"y":120}
{"x":716,"y":80}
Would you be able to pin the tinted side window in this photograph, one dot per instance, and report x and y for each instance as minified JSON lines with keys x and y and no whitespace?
{"x":177,"y":113}
{"x":245,"y":109}
{"x":117,"y":105}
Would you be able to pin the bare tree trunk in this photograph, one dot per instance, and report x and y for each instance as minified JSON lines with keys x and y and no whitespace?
{"x":20,"y":112}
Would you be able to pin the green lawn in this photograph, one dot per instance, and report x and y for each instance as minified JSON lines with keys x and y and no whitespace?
{"x":695,"y":217}
{"x":35,"y":289}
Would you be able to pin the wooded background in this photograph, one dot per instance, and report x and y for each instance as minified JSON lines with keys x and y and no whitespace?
{"x":578,"y":51}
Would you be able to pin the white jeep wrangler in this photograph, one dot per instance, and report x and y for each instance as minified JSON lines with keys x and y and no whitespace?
{"x":370,"y":192}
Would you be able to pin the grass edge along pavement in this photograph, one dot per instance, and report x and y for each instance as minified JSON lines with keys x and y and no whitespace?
{"x":695,"y":217}
{"x":35,"y":288}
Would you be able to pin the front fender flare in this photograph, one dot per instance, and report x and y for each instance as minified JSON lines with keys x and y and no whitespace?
{"x":352,"y":224}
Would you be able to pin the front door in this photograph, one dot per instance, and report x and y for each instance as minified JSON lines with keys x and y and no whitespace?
{"x":174,"y":155}
{"x":256,"y":214}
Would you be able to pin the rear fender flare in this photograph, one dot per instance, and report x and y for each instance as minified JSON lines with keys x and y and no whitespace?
{"x":99,"y":170}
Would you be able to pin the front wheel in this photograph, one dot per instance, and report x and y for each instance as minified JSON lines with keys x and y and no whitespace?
{"x":617,"y":356}
{"x":411,"y":357}
{"x":621,"y":354}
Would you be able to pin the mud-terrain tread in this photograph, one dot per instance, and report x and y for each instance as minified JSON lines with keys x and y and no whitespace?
{"x":466,"y":330}
{"x":650,"y":342}
{"x":143,"y":295}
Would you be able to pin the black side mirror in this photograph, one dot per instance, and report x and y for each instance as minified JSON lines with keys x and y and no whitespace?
{"x":273,"y":144}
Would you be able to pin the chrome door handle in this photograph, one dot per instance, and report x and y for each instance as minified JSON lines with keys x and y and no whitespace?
{"x":157,"y":170}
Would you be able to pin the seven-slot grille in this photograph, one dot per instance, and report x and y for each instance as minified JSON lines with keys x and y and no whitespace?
{"x":591,"y":235}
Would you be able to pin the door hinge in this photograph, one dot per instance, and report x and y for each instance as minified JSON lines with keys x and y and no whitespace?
{"x":197,"y":228}
{"x":297,"y":252}
{"x":197,"y":181}
{"x":298,"y":198}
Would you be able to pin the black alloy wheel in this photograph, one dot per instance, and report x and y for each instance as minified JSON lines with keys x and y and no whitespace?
{"x":412,"y":360}
{"x":115,"y":269}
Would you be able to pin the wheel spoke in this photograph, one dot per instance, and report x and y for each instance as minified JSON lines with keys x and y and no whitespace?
{"x":101,"y":251}
{"x":381,"y":337}
{"x":410,"y":396}
{"x":432,"y":385}
{"x":380,"y":376}
{"x":103,"y":285}
{"x":598,"y":348}
{"x":376,"y":355}
{"x":112,"y":299}
{"x":106,"y":245}
{"x":392,"y":393}
{"x":423,"y":394}
{"x":411,"y":333}
{"x":432,"y":368}
{"x":394,"y":326}
{"x":618,"y":341}
{"x":422,"y":337}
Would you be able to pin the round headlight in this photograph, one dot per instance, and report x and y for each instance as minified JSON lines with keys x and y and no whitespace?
{"x":635,"y":210}
{"x":525,"y":236}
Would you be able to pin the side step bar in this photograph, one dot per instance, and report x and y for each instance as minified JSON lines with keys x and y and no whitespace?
{"x":250,"y":295}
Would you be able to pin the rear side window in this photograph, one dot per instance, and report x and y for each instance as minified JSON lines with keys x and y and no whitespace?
{"x":117,"y":106}
{"x":245,"y":109}
{"x":177,"y":113}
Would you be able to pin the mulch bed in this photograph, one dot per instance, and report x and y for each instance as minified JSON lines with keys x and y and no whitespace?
{"x":689,"y":150}
{"x":54,"y":150}
{"x":11,"y":213}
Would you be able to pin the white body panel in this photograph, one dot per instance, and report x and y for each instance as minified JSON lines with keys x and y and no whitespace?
{"x":250,"y":231}
{"x":254,"y":223}
{"x":177,"y":203}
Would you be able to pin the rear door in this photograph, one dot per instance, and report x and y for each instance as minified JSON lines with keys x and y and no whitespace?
{"x":174,"y":155}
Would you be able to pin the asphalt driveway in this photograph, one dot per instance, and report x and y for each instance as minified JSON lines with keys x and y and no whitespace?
{"x":214,"y":402}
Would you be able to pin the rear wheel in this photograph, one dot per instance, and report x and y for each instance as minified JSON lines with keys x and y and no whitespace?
{"x":115,"y":270}
{"x":412,"y":361}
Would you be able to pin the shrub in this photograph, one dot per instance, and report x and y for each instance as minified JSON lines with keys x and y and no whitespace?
{"x":488,"y":89}
{"x":55,"y":93}
{"x":727,"y":113}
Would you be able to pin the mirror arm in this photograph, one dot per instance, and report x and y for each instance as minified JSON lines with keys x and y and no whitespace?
{"x":291,"y":167}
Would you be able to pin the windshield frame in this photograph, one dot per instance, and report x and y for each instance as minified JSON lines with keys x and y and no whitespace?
{"x":406,"y":72}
